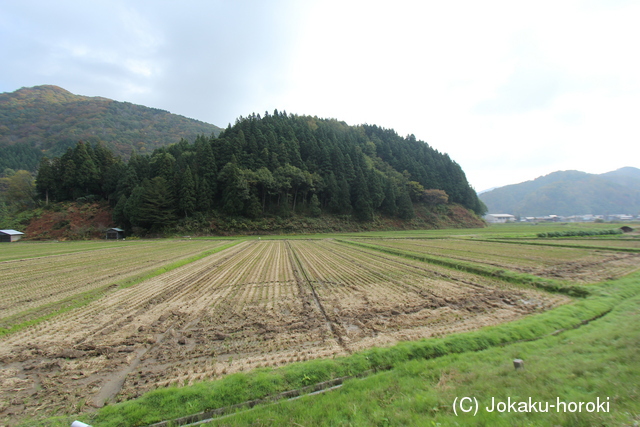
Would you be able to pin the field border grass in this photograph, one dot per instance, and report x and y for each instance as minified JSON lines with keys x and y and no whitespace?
{"x":66,"y":304}
{"x":538,"y":282}
{"x":241,"y":388}
{"x":83,"y":299}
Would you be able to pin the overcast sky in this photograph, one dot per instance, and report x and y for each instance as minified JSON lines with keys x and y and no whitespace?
{"x":511,"y":90}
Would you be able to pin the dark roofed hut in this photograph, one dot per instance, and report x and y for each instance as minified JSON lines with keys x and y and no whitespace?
{"x":115,"y":234}
{"x":10,"y":235}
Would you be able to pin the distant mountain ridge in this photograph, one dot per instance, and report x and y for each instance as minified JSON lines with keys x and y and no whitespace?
{"x":46,"y":120}
{"x":569,"y":193}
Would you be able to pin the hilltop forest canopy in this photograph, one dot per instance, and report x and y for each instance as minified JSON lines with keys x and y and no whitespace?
{"x":48,"y":119}
{"x":278,"y":164}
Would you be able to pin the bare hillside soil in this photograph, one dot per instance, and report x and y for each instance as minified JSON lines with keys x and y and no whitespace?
{"x":71,"y":221}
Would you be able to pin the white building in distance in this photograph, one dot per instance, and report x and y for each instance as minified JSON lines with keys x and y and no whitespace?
{"x":499,"y":218}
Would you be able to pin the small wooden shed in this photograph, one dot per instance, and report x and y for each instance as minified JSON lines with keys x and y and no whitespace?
{"x":115,"y":234}
{"x":10,"y":235}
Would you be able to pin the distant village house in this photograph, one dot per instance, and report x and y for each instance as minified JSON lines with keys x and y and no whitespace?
{"x":10,"y":235}
{"x":499,"y":218}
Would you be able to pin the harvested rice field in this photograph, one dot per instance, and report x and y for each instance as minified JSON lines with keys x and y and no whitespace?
{"x":226,"y":307}
{"x":579,"y":265}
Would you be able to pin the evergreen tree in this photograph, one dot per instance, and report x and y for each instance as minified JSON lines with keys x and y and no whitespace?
{"x":67,"y":187}
{"x":207,"y":168}
{"x":156,"y":209}
{"x":283,"y":184}
{"x":111,"y":178}
{"x":162,"y":165}
{"x":87,"y":174}
{"x":332,"y":193}
{"x":341,"y":201}
{"x":127,"y":182}
{"x":350,"y":171}
{"x":266,"y":185}
{"x":314,"y":207}
{"x":405,"y":207}
{"x":253,"y":208}
{"x":362,"y":206}
{"x":187,"y":195}
{"x":292,"y":179}
{"x":141,"y":165}
{"x":235,"y":189}
{"x":46,"y":179}
{"x":119,"y":216}
{"x":131,"y":209}
{"x":104,"y":157}
{"x":203,"y":200}
{"x":375,"y":187}
{"x":388,"y":205}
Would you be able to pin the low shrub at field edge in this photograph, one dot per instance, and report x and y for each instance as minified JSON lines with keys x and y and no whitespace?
{"x":580,"y":233}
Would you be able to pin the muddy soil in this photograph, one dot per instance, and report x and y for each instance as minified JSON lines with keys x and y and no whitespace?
{"x":607,"y":267}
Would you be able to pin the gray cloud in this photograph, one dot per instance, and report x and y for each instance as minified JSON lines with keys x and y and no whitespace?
{"x":200,"y":59}
{"x":464,"y":76}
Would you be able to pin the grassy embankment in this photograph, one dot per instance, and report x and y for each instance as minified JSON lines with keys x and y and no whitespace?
{"x":577,"y":352}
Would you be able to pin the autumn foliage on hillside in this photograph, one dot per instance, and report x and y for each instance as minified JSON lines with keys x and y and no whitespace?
{"x":46,"y":120}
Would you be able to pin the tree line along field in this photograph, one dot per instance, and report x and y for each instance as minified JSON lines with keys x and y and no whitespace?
{"x":247,"y":304}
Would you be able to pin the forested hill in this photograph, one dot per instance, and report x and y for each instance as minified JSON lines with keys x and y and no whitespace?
{"x":48,"y":119}
{"x":569,"y":193}
{"x":275,"y":165}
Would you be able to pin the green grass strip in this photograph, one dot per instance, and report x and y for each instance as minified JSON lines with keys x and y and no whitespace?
{"x":545,"y":284}
{"x":172,"y":403}
{"x":37,"y":315}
